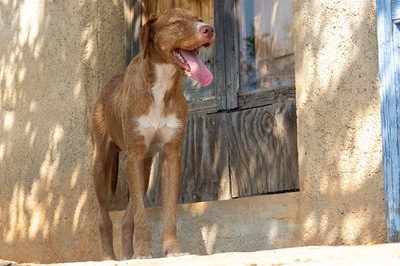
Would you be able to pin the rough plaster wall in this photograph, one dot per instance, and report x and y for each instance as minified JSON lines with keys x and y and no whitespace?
{"x":339,"y":129}
{"x":54,"y":57}
{"x":239,"y":225}
{"x":246,"y":224}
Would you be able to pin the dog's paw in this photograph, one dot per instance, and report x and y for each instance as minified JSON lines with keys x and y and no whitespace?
{"x":142,"y":256}
{"x":143,"y":251}
{"x":110,"y":257}
{"x":172,"y":255}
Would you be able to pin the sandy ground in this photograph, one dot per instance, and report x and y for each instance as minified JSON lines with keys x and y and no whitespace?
{"x":383,"y":254}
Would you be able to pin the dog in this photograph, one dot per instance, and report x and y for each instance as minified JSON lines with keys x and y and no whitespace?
{"x":141,"y":112}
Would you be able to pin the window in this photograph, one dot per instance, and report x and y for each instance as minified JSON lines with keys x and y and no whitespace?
{"x":266,"y":45}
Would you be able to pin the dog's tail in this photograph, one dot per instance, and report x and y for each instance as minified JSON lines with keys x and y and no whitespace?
{"x":114,"y":169}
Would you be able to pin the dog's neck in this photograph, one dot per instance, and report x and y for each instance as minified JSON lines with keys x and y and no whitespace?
{"x":166,"y":79}
{"x":158,"y":68}
{"x":165,"y":72}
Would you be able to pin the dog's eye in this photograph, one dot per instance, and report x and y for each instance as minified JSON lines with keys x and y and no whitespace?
{"x":178,"y":22}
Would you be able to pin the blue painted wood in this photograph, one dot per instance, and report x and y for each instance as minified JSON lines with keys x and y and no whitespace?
{"x":396,"y":11}
{"x":396,"y":67}
{"x":388,"y":34}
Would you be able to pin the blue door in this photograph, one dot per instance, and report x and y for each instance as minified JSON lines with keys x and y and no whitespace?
{"x":388,"y":26}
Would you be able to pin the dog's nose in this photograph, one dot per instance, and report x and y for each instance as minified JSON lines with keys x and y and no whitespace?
{"x":207,"y":30}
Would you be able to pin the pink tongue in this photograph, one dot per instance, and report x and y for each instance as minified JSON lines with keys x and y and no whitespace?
{"x":198,"y":70}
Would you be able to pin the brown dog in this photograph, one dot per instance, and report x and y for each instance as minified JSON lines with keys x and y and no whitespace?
{"x":142,"y":112}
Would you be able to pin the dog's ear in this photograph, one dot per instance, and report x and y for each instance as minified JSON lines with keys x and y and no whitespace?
{"x":145,"y":34}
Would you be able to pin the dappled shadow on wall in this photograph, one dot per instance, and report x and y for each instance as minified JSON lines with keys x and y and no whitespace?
{"x":340,"y":151}
{"x":48,"y":78}
{"x":46,"y":198}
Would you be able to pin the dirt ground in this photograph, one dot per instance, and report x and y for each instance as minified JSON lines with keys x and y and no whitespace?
{"x":382,"y":254}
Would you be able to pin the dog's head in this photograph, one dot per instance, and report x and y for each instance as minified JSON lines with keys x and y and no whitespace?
{"x":176,"y":36}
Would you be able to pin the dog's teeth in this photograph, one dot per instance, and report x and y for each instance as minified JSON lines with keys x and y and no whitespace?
{"x":179,"y":56}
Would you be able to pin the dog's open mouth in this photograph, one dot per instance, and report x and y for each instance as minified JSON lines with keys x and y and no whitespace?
{"x":193,"y":66}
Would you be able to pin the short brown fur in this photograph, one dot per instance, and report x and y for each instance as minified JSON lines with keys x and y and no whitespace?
{"x":115,"y":127}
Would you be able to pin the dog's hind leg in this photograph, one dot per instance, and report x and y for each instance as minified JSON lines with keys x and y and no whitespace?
{"x":104,"y":154}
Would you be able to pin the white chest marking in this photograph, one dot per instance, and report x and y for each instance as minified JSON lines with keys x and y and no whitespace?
{"x":157,"y":128}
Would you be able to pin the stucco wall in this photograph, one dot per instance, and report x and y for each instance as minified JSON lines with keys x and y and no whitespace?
{"x":339,"y":128}
{"x":55,"y":56}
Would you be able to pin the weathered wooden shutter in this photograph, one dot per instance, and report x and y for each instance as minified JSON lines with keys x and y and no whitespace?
{"x":263,"y":130}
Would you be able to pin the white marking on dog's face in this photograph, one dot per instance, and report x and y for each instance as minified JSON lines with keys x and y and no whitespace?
{"x":199,"y":24}
{"x":156,"y":128}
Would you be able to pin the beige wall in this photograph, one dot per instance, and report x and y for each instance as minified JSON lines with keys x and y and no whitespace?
{"x":54,"y":57}
{"x":339,"y":129}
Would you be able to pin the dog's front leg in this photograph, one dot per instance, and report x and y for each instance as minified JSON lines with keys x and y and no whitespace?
{"x":127,"y":233}
{"x":142,"y":233}
{"x":128,"y":222}
{"x":171,"y":176}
